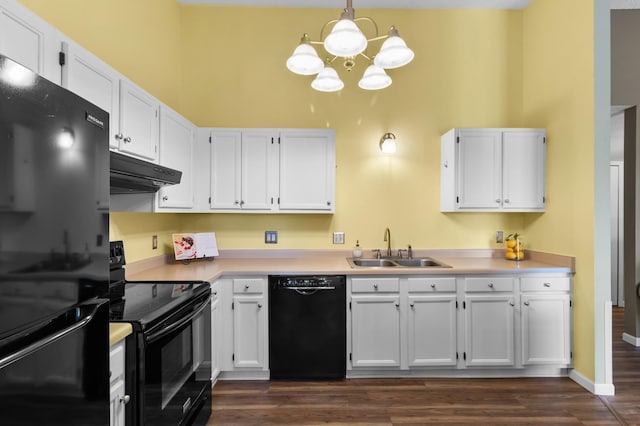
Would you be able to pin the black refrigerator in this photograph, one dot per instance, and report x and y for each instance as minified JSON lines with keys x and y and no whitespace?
{"x":54,"y":271}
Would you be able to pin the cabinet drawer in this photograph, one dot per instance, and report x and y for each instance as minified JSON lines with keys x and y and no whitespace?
{"x":432,"y":285}
{"x":489,"y":284}
{"x":248,"y":285}
{"x":375,"y":285}
{"x":116,"y":361}
{"x":545,"y":284}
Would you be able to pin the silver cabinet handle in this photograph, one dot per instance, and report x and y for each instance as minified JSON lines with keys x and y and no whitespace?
{"x":512,"y":304}
{"x":259,"y":305}
{"x":119,"y":136}
{"x":124,"y":399}
{"x":497,"y":200}
{"x":506,"y":200}
{"x":526,"y":303}
{"x":165,"y":198}
{"x":127,"y":139}
{"x":433,"y":286}
{"x":412,"y":305}
{"x":236,"y":202}
{"x":375,"y":286}
{"x":397,"y":304}
{"x":547,"y":284}
{"x":246,"y":287}
{"x":490,"y":285}
{"x":242,"y":202}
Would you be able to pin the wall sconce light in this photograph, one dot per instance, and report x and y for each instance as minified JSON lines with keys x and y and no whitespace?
{"x":388,"y":143}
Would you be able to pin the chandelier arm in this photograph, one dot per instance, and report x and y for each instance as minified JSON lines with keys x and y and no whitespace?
{"x":366,"y":57}
{"x":324,"y":27}
{"x":382,"y":37}
{"x":366,"y":18}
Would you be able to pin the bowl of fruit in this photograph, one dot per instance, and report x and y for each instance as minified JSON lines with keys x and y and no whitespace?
{"x":513,"y":247}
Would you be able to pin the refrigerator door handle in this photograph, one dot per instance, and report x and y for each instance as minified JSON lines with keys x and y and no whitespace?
{"x":39,"y":344}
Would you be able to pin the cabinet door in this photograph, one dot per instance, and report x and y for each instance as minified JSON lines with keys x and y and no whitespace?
{"x":489,"y":322}
{"x":117,"y":413}
{"x":177,"y":144}
{"x":226,"y":149}
{"x":307,"y":170}
{"x":257,"y":159}
{"x":216,"y":339}
{"x":479,"y":169}
{"x":523,"y":177}
{"x":87,"y":76}
{"x":249,"y":331}
{"x":432,"y":330}
{"x":138,"y":122}
{"x":375,"y":330}
{"x":546,"y":329}
{"x":29,"y":40}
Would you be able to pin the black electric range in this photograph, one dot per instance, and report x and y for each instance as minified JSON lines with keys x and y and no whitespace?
{"x":170,"y":345}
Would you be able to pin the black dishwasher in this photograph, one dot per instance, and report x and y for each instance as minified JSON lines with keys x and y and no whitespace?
{"x":307,"y":327}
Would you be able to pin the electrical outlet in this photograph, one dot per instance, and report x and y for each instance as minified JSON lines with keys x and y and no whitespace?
{"x":271,"y":237}
{"x":499,"y":237}
{"x":338,"y":238}
{"x":154,"y":242}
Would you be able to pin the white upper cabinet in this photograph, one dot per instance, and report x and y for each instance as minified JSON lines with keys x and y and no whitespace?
{"x":133,"y":113}
{"x":86,"y":75}
{"x":307,"y":170}
{"x":29,"y":40}
{"x":241,"y":169}
{"x":177,"y":147}
{"x":138,"y":122}
{"x":267,"y":170}
{"x":493,"y":170}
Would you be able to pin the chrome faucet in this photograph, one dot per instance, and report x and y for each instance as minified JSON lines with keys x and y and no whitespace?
{"x":387,"y":238}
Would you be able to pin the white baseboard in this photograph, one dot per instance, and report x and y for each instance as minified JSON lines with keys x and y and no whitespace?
{"x":594,"y":388}
{"x":632,"y":340}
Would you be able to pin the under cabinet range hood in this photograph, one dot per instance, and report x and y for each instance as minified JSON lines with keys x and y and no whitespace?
{"x":130,"y":175}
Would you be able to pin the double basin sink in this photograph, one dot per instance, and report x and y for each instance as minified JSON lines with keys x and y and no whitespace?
{"x":423,"y":262}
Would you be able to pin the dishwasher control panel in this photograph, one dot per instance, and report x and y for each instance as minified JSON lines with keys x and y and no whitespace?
{"x":308,"y":281}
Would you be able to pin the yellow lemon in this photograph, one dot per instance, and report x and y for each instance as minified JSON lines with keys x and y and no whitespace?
{"x":511,"y":243}
{"x":511,"y":255}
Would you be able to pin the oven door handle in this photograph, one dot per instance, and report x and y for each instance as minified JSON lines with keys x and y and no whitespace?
{"x":59,"y":334}
{"x":167,"y":330}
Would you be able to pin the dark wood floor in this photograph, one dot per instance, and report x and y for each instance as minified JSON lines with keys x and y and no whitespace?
{"x":436,"y":401}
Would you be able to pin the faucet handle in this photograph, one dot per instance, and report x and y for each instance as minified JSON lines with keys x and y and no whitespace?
{"x":400,"y":252}
{"x":377,"y":253}
{"x":410,"y":251}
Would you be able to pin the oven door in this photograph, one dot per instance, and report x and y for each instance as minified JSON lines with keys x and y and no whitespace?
{"x":177,"y":367}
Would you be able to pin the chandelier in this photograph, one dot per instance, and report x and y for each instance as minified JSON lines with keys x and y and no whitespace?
{"x":346,"y":41}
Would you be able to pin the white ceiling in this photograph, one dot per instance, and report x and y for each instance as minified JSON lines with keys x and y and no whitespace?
{"x":400,"y":4}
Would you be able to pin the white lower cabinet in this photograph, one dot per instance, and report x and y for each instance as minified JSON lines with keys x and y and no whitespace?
{"x":472,"y":326}
{"x":432,"y":322}
{"x":118,"y":399}
{"x":489,"y":321}
{"x":216,"y":335}
{"x":546,"y":320}
{"x":243,"y":336}
{"x":375,"y":322}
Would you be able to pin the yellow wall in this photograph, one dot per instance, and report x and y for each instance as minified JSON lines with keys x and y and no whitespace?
{"x":224,"y":67}
{"x":558,"y":94}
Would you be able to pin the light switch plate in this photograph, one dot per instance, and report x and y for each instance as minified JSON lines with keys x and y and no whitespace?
{"x":338,"y":238}
{"x":499,"y":237}
{"x":154,"y":242}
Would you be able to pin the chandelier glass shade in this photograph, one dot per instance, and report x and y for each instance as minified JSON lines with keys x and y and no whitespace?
{"x":347,"y":41}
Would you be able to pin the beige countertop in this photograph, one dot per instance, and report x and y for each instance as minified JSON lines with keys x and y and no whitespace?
{"x":118,"y":331}
{"x":334,"y":262}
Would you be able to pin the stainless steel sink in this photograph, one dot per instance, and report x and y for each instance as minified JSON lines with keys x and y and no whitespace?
{"x":372,"y":263}
{"x":424,"y":262}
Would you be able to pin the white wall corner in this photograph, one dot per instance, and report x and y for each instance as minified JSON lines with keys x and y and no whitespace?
{"x":632,"y":340}
{"x":594,"y":388}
